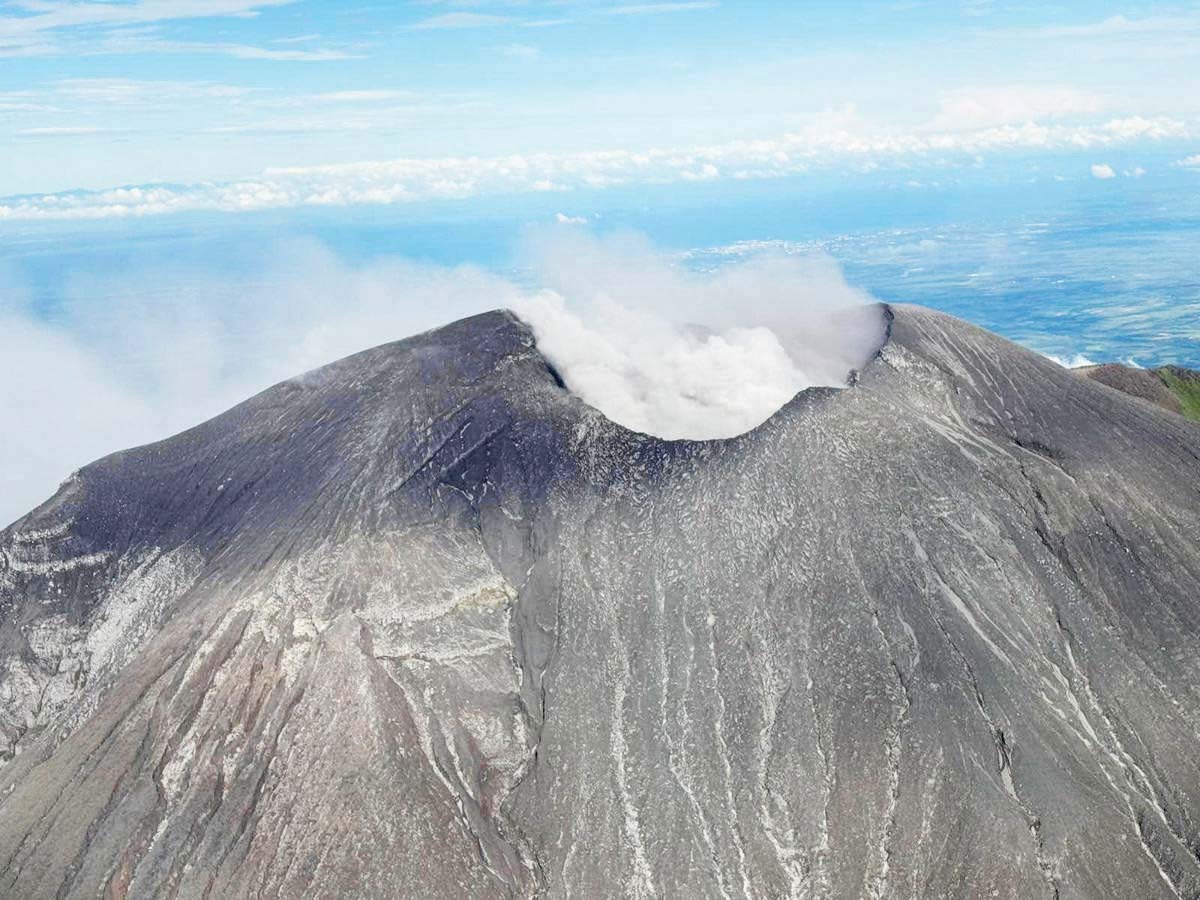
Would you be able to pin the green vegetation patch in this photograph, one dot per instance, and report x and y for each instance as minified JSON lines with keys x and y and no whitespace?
{"x":1185,"y":384}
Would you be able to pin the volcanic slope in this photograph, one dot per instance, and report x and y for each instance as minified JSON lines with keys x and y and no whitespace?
{"x":421,"y":623}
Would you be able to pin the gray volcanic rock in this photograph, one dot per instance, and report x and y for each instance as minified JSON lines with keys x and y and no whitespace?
{"x":423,"y":624}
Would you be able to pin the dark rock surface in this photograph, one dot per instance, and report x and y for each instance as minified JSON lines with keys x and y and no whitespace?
{"x":422,"y":624}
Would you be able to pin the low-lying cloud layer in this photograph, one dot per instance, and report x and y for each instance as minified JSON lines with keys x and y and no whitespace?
{"x":398,"y":181}
{"x":130,"y":359}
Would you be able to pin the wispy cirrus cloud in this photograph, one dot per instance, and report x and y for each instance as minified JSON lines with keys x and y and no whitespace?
{"x":26,"y":49}
{"x":81,"y":107}
{"x":150,"y":41}
{"x":364,"y":95}
{"x":474,"y":14}
{"x":332,"y":112}
{"x":456,"y":20}
{"x":296,"y":39}
{"x":108,"y":46}
{"x":643,"y":9}
{"x":39,"y":16}
{"x":248,"y":51}
{"x":143,"y":93}
{"x":25,"y":102}
{"x":520,"y":51}
{"x":1114,"y":26}
{"x":66,"y":131}
{"x":54,"y":28}
{"x":1151,"y":38}
{"x":407,"y":180}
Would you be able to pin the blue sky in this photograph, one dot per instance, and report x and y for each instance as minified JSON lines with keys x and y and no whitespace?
{"x":248,"y":105}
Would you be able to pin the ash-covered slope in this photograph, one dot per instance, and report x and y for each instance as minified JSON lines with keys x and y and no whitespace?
{"x":422,"y":624}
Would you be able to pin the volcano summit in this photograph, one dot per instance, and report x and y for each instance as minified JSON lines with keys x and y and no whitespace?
{"x":422,"y":623}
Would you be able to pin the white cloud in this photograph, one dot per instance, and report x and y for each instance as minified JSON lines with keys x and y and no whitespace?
{"x":520,"y":51}
{"x":462,"y":20}
{"x":297,"y":39}
{"x":142,"y":40}
{"x":65,"y":131}
{"x":53,"y":15}
{"x":297,"y":126}
{"x":344,"y":112}
{"x":161,"y":347}
{"x":24,"y":102}
{"x":1137,"y":127}
{"x":138,"y":93}
{"x":979,"y":107}
{"x":564,"y":219}
{"x":705,"y":172}
{"x":10,"y":106}
{"x":25,"y":49}
{"x":337,"y":98}
{"x":1115,"y":26}
{"x":1103,"y":171}
{"x":1116,"y":39}
{"x":828,"y":143}
{"x":642,"y":9}
{"x":1189,"y":162}
{"x":246,"y":51}
{"x":82,"y":104}
{"x":978,"y":8}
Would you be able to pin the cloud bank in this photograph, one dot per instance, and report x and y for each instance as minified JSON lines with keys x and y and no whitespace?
{"x":134,"y":358}
{"x":416,"y":179}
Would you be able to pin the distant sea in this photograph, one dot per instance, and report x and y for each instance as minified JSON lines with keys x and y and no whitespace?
{"x":1074,"y":267}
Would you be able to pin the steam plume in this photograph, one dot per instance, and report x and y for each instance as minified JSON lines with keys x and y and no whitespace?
{"x":134,"y":358}
{"x":686,"y":355}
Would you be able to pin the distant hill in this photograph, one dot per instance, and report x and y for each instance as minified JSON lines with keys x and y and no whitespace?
{"x":1171,"y":387}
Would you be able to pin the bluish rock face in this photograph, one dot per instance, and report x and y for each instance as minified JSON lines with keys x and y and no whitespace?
{"x":423,"y":624}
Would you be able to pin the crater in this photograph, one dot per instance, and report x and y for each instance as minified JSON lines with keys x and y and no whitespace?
{"x":692,"y":381}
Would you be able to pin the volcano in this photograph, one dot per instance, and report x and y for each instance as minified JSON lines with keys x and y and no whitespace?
{"x":422,"y":623}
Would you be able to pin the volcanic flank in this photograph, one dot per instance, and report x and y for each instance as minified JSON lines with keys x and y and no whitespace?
{"x":423,"y":624}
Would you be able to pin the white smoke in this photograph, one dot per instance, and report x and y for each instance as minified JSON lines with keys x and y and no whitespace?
{"x":134,"y":358}
{"x":684,"y":355}
{"x":647,"y":374}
